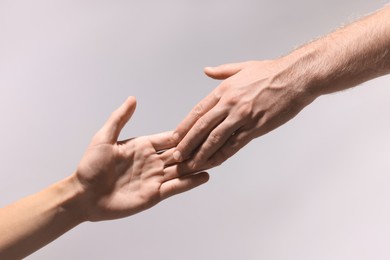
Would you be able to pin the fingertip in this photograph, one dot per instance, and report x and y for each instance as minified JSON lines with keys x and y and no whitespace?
{"x":130,"y":106}
{"x":131,"y":100}
{"x":117,"y":120}
{"x":219,"y":72}
{"x":127,"y":107}
{"x":177,"y":155}
{"x":204,"y":177}
{"x":210,"y":71}
{"x":224,"y":71}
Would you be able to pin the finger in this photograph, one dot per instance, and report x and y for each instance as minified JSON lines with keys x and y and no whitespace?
{"x":231,"y":146}
{"x":113,"y":126}
{"x":162,"y":141}
{"x":183,"y":184}
{"x":197,"y":112}
{"x":215,"y":140}
{"x":180,"y":170}
{"x":224,"y":71}
{"x":198,"y":133}
{"x":167,"y":157}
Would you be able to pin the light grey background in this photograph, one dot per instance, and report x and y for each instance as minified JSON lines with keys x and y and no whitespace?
{"x":316,"y":188}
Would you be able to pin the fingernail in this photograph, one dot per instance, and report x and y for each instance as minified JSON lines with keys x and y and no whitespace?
{"x":176,"y":136}
{"x":177,"y":155}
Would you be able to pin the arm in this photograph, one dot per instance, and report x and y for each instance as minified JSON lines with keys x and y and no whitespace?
{"x":259,"y":96}
{"x":113,"y":180}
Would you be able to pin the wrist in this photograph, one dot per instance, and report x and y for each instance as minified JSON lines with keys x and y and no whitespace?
{"x":298,"y":71}
{"x":70,"y":202}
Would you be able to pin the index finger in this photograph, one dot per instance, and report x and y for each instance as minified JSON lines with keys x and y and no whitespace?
{"x":196,"y":113}
{"x":162,"y":141}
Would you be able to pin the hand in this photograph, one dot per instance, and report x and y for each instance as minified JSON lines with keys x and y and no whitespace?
{"x":119,"y":179}
{"x":254,"y":98}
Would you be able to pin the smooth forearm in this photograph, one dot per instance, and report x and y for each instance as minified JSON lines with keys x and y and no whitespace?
{"x":114,"y":179}
{"x":35,"y":221}
{"x":345,"y":58}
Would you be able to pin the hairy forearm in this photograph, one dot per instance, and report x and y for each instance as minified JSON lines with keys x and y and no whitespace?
{"x":35,"y":221}
{"x":345,"y":58}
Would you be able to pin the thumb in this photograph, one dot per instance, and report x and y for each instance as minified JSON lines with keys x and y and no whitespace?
{"x":224,"y":71}
{"x":118,"y":119}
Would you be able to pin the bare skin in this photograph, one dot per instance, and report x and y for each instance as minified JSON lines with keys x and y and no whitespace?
{"x":255,"y":97}
{"x":113,"y":180}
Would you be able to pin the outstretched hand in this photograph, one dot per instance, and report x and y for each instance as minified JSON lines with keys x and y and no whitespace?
{"x":122,"y":178}
{"x":113,"y":180}
{"x":254,"y":98}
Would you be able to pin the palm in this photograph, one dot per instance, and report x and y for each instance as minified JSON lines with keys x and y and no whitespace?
{"x":123,"y":178}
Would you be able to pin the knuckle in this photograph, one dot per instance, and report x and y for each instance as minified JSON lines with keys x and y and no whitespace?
{"x":217,"y":94}
{"x":197,"y":112}
{"x":233,"y":100}
{"x":201,"y":125}
{"x":221,"y":89}
{"x":244,"y":111}
{"x":214,"y":138}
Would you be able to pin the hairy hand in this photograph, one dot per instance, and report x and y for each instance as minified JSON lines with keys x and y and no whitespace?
{"x":254,"y":98}
{"x":119,"y":179}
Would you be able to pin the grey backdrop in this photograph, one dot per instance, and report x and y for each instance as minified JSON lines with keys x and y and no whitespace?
{"x":316,"y":188}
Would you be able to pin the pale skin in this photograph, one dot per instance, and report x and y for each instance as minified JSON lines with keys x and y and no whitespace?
{"x":114,"y":179}
{"x":118,"y":179}
{"x":255,"y":97}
